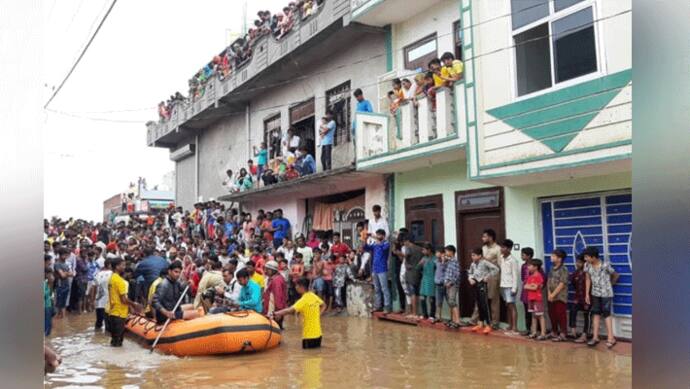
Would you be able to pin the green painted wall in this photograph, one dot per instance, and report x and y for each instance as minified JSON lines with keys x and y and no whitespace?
{"x":445,"y":179}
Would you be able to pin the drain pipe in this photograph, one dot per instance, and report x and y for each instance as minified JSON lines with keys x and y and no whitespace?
{"x":249,"y":135}
{"x":196,"y":168}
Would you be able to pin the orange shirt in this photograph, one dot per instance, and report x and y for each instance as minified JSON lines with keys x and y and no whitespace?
{"x":296,"y":271}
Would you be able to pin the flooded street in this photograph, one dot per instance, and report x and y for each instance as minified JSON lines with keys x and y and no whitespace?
{"x":356,"y":353}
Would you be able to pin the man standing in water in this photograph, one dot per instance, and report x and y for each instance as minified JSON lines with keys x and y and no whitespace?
{"x":310,"y":306}
{"x":119,"y":302}
{"x":275,"y":294}
{"x":168,"y":294}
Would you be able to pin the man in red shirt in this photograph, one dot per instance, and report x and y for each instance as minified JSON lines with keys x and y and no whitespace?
{"x":275,"y":293}
{"x":339,"y":249}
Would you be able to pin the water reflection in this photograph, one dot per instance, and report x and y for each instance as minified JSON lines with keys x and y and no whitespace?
{"x":356,"y":352}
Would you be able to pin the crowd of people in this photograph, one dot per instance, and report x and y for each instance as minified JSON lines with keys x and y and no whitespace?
{"x":240,"y":51}
{"x":229,"y":260}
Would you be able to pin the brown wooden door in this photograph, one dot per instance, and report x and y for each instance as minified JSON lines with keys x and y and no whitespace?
{"x":471,"y":227}
{"x":424,"y":219}
{"x":472,"y":219}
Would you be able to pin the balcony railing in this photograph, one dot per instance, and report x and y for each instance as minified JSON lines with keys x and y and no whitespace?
{"x":415,"y":124}
{"x":266,"y":51}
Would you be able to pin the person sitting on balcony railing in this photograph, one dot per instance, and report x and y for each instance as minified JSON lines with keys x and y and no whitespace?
{"x":291,"y":173}
{"x":244,"y":181}
{"x":287,"y":21}
{"x":163,"y":111}
{"x":305,"y":163}
{"x":452,"y":69}
{"x":252,"y":168}
{"x":309,"y":8}
{"x":229,"y":182}
{"x":269,"y":178}
{"x":279,"y":168}
{"x":430,"y":89}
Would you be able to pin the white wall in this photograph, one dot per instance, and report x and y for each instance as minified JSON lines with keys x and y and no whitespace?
{"x":438,"y":19}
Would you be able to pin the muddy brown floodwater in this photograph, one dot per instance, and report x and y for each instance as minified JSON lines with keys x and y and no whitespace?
{"x":356,"y":353}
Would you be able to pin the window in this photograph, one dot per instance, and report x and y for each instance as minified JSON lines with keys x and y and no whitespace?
{"x":457,"y":40}
{"x":338,"y":101}
{"x":554,"y":42}
{"x":272,"y":135}
{"x":418,"y":54}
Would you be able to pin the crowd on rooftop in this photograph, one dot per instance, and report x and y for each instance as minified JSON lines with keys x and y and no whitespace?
{"x":237,"y":54}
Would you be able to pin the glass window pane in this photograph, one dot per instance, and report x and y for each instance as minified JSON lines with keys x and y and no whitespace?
{"x":426,"y":48}
{"x":559,"y":5}
{"x":574,"y":47}
{"x":533,"y":60}
{"x":435,"y":234}
{"x":524,"y":12}
{"x":417,"y":230}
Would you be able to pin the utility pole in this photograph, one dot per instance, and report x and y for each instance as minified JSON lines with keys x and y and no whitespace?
{"x":244,"y":18}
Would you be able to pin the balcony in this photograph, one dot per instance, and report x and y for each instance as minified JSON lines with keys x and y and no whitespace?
{"x":556,"y":135}
{"x":323,"y":30}
{"x":415,"y":137}
{"x":383,"y":12}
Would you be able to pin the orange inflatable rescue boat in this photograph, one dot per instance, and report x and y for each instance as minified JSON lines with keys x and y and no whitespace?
{"x":225,"y":333}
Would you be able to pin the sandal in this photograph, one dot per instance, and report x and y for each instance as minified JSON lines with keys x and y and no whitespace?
{"x":556,"y":339}
{"x":532,"y":336}
{"x":593,"y":343}
{"x":611,"y":344}
{"x":581,"y":339}
{"x":541,"y":337}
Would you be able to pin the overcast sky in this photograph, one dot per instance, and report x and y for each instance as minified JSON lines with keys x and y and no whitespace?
{"x":145,"y":51}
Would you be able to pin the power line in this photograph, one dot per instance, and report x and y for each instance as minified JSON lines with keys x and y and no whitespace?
{"x":70,"y":114}
{"x":88,"y":44}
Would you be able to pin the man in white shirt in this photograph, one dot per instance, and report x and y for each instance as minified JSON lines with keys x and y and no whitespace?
{"x":102,"y":294}
{"x":306,"y":251}
{"x":510,"y":278}
{"x":378,"y":222}
{"x":288,"y":250}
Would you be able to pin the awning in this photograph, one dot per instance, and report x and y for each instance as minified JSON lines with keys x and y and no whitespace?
{"x":314,"y":185}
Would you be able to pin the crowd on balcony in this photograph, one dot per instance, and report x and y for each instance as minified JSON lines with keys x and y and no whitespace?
{"x":443,"y":72}
{"x":265,"y":172}
{"x":240,"y":51}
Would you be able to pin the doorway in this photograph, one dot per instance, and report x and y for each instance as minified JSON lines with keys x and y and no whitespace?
{"x":424,"y":219}
{"x":302,"y":121}
{"x":476,"y":210}
{"x":338,"y":101}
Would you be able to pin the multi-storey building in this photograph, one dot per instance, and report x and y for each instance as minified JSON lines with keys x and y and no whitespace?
{"x":534,"y":141}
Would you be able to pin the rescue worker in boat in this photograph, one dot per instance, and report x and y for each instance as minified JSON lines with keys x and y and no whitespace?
{"x":168,"y":293}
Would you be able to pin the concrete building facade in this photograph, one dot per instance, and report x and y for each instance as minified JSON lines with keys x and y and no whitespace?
{"x":534,"y":141}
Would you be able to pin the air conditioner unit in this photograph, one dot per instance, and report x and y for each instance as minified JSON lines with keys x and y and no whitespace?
{"x":182,"y":153}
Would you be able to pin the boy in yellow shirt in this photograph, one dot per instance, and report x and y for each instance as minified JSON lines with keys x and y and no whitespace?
{"x":310,"y":306}
{"x":119,"y":302}
{"x":446,"y":71}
